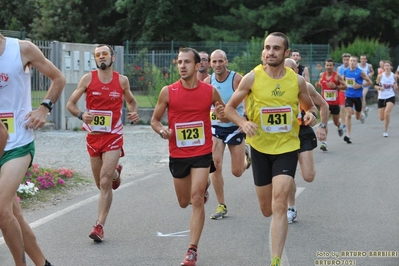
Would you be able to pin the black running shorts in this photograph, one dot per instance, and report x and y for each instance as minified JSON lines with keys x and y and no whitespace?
{"x":181,"y":167}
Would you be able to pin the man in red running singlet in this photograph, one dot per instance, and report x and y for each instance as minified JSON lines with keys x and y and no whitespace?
{"x":331,"y":83}
{"x":105,"y":91}
{"x":189,"y":102}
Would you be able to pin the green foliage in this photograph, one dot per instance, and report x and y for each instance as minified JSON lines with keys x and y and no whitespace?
{"x":336,"y":22}
{"x":250,"y":58}
{"x":56,"y":19}
{"x":374,"y":50}
{"x":148,"y":78}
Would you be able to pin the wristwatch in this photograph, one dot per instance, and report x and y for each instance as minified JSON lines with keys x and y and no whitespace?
{"x":48,"y":103}
{"x":322,"y":125}
{"x":161,"y":133}
{"x":80,"y":115}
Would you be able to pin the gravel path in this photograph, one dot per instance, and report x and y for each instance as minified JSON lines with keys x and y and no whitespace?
{"x":144,"y":151}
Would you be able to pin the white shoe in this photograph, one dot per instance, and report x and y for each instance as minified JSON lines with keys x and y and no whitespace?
{"x":366,"y":111}
{"x":362,"y":118}
{"x":385,"y":134}
{"x":292,"y":215}
{"x":323,"y":146}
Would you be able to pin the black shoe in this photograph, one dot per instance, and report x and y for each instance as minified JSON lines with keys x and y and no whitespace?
{"x":348,"y":140}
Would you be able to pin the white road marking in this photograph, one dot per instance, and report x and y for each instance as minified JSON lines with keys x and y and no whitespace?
{"x":75,"y":206}
{"x":181,"y":233}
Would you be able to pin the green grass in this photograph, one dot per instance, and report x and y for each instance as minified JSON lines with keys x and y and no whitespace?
{"x":146,"y":101}
{"x":37,"y":98}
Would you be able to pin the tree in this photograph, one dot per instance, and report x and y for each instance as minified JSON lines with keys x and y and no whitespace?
{"x":15,"y":14}
{"x":86,"y":21}
{"x":58,"y":20}
{"x":163,"y":20}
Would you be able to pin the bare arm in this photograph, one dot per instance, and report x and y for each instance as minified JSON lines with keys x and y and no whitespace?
{"x":324,"y":111}
{"x":377,"y":82}
{"x":162,"y":104}
{"x":320,"y":102}
{"x":306,"y":102}
{"x":76,"y":95}
{"x":32,"y":56}
{"x":366,"y":77}
{"x":236,"y":82}
{"x":219,"y":106}
{"x":306,"y":74}
{"x":317,"y":84}
{"x":244,"y":88}
{"x":131,"y":102}
{"x":371,"y":74}
{"x":342,"y":84}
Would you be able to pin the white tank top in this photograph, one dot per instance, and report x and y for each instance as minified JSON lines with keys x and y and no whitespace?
{"x":15,"y":95}
{"x":366,"y":70}
{"x":387,"y":83}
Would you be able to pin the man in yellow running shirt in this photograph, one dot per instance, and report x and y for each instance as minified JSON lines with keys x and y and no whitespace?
{"x":273,"y":93}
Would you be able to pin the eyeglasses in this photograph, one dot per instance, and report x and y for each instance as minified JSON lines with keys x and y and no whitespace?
{"x":204,"y":59}
{"x":104,"y":53}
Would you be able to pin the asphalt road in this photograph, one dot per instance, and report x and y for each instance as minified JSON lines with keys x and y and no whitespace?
{"x":347,"y":215}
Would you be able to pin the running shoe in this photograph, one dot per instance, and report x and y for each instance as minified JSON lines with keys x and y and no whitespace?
{"x":220,"y":213}
{"x":191,"y":258}
{"x":366,"y":111}
{"x":206,"y":196}
{"x":98,"y":233}
{"x":348,"y":140}
{"x":340,"y":131}
{"x":362,"y":118}
{"x":117,"y":180}
{"x":292,"y":215}
{"x":248,"y":155}
{"x":385,"y":134}
{"x":276,"y":261}
{"x":323,"y":146}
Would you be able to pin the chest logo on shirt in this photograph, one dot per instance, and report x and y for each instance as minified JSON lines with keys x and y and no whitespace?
{"x":3,"y":80}
{"x":114,"y":95}
{"x":105,"y":88}
{"x":277,"y":92}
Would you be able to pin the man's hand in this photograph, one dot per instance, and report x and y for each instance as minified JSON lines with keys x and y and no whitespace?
{"x":219,"y":111}
{"x":133,"y":117}
{"x":309,"y":119}
{"x":37,"y":118}
{"x":250,"y":128}
{"x":166,"y":133}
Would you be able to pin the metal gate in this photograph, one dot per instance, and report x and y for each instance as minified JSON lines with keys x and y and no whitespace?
{"x":40,"y":83}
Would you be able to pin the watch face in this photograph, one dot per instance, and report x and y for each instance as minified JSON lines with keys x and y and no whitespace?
{"x":49,"y":102}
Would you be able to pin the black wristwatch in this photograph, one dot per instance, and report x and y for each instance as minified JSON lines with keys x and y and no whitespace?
{"x":80,"y":115}
{"x":322,"y":125}
{"x":161,"y":133}
{"x":48,"y":103}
